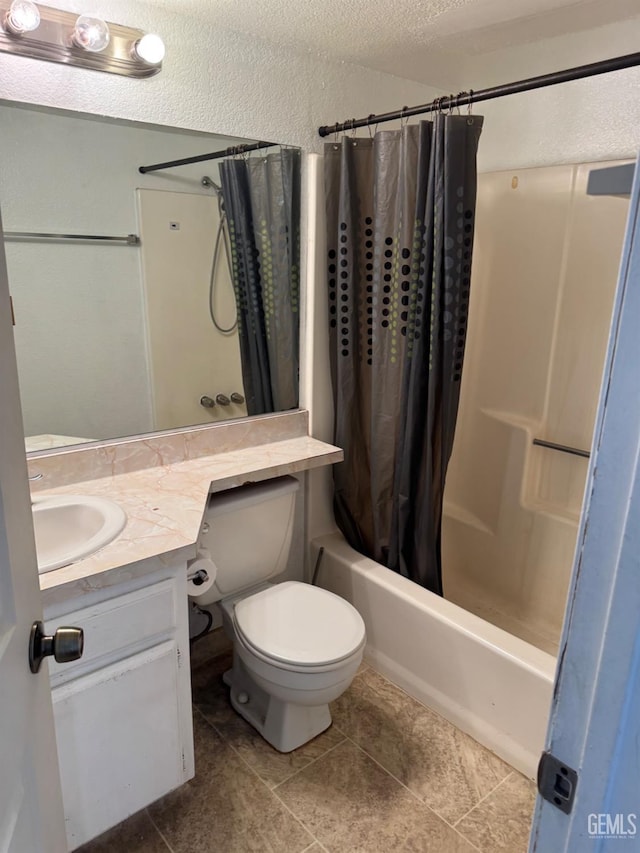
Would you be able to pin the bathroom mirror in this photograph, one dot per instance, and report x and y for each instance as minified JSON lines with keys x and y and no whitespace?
{"x":118,"y":337}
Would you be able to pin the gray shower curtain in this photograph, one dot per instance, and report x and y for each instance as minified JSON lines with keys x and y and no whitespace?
{"x":262,"y":201}
{"x":400,"y":217}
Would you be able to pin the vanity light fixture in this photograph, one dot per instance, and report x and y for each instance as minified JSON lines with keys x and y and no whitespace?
{"x":42,"y":32}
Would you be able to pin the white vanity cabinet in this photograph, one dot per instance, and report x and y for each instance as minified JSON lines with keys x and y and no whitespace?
{"x":123,"y":711}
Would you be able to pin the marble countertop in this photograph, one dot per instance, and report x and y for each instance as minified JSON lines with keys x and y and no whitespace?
{"x":47,"y":441}
{"x":165,"y":504}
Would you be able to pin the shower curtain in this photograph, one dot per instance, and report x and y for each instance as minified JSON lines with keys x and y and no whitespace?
{"x":262,"y":201}
{"x":400,"y":220}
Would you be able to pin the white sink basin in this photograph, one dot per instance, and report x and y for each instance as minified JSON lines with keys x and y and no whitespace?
{"x":71,"y":527}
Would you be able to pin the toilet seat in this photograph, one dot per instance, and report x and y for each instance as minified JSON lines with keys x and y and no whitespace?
{"x":298,"y":626}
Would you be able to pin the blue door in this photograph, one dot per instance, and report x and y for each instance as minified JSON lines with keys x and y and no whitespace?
{"x":594,"y":726}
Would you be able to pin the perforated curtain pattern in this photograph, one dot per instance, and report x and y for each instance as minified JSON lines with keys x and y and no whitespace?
{"x":262,"y":200}
{"x":400,"y":215}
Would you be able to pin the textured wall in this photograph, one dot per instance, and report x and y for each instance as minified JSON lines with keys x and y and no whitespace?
{"x":213,"y":81}
{"x":591,"y":119}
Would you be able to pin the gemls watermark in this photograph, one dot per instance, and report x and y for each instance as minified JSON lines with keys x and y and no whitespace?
{"x":605,"y":825}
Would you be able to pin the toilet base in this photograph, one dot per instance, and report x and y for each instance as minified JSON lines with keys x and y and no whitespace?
{"x":284,"y":725}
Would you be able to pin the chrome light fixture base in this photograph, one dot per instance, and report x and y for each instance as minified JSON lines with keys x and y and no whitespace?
{"x":52,"y":41}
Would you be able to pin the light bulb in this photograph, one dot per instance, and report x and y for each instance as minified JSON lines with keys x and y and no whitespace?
{"x":92,"y":34}
{"x":23,"y":17}
{"x":150,"y":49}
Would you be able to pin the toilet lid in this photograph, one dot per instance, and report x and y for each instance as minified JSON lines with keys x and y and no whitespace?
{"x":300,"y":624}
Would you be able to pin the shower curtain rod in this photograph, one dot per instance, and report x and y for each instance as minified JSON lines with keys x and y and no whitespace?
{"x":200,"y":158}
{"x":617,"y":63}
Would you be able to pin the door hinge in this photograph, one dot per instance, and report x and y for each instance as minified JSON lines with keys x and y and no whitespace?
{"x":557,"y":782}
{"x":184,"y":763}
{"x":179,"y":656}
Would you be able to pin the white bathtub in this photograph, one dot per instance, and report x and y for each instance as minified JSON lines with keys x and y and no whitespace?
{"x":490,"y":684}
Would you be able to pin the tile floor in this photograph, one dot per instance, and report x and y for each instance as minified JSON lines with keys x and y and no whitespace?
{"x":388,"y":775}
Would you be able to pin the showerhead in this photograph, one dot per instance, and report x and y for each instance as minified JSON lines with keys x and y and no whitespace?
{"x":209,"y":182}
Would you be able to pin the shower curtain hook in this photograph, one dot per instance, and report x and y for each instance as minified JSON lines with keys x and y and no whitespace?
{"x":470,"y":102}
{"x":404,"y":120}
{"x":353,"y":128}
{"x":369,"y":117}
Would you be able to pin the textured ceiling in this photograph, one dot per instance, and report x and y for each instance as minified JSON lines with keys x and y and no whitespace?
{"x":423,"y":40}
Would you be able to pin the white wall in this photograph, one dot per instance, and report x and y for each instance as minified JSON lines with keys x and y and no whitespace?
{"x":597,"y":118}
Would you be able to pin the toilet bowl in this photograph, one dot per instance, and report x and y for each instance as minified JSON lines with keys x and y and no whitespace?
{"x":296,"y":647}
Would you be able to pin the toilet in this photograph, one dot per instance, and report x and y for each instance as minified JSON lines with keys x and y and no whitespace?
{"x":296,"y":647}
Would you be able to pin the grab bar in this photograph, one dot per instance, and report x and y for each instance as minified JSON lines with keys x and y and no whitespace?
{"x":129,"y":240}
{"x":575,"y":451}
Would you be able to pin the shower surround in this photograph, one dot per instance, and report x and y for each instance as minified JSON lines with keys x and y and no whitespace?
{"x":545,"y":270}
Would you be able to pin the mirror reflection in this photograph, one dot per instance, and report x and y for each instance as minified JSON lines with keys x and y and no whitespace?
{"x":189,"y":316}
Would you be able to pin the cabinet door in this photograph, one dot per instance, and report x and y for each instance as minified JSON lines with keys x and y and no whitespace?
{"x":119,"y":740}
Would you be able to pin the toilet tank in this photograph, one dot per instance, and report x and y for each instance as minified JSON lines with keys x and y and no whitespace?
{"x":249,"y":534}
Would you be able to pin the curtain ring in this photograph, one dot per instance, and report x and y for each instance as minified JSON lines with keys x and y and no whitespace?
{"x":470,"y":102}
{"x":375,"y":130}
{"x":403,"y":118}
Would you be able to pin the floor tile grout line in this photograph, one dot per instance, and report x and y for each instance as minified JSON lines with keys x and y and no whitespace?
{"x":313,"y":844}
{"x":482,"y":799}
{"x":282,"y":781}
{"x":313,"y":761}
{"x":262,"y":781}
{"x":413,"y":794}
{"x":213,"y":726}
{"x":278,"y":798}
{"x":362,"y":749}
{"x":439,"y":715}
{"x":159,"y":831}
{"x":295,"y":816}
{"x":514,"y":773}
